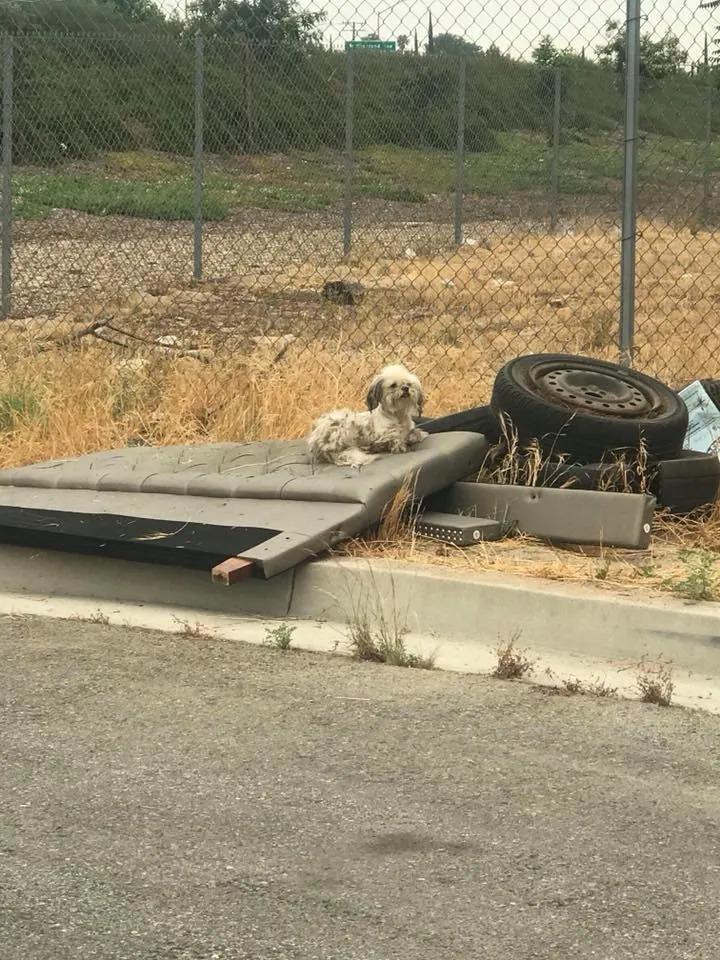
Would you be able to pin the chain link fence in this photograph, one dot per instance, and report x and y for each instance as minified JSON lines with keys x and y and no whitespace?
{"x":450,"y":188}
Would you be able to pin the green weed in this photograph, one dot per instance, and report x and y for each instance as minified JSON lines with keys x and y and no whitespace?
{"x":18,"y":406}
{"x":700,"y":581}
{"x":279,"y":637}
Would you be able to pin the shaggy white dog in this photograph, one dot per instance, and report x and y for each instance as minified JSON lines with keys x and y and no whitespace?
{"x":352,"y":439}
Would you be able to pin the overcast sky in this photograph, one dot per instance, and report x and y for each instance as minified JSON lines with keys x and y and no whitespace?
{"x":514,"y":25}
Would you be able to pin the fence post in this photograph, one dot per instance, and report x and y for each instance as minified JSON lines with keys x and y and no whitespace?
{"x":6,"y":212}
{"x":555,"y":161}
{"x":198,"y":164}
{"x":247,"y":84}
{"x":347,"y":204}
{"x":705,"y":210}
{"x":629,"y":211}
{"x":460,"y":154}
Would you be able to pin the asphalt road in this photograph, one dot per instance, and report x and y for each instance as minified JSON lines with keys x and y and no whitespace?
{"x":167,"y":798}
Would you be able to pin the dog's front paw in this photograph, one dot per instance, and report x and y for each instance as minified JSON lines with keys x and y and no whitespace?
{"x":399,"y":446}
{"x":417,"y":436}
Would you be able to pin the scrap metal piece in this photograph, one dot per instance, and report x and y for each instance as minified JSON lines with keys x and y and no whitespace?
{"x":458,"y":529}
{"x":570,"y":516}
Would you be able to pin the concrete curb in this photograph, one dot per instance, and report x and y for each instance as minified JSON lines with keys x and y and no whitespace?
{"x":578,"y":630}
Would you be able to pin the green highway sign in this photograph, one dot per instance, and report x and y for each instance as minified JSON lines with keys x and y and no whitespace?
{"x":370,"y":44}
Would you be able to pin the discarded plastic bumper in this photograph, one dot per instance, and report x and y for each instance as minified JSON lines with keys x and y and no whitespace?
{"x":571,"y":516}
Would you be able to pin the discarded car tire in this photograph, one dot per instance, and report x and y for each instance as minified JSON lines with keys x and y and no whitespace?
{"x":477,"y":420}
{"x":688,"y":483}
{"x":585,"y":408}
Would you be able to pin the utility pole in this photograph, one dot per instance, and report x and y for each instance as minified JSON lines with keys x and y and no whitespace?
{"x":355,"y":24}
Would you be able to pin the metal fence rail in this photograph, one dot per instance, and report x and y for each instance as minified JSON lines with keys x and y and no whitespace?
{"x":193,"y":182}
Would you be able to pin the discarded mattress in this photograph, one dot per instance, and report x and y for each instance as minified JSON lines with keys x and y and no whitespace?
{"x":266,"y":502}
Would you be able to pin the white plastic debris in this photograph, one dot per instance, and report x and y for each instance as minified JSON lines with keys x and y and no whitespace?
{"x":703,"y":432}
{"x":410,"y":253}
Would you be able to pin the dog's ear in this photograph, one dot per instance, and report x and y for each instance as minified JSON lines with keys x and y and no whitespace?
{"x":419,"y":400}
{"x":374,"y":395}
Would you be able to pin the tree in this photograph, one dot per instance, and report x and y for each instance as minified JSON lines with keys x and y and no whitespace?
{"x":545,"y":53}
{"x":78,"y":16}
{"x":430,"y":48}
{"x":402,"y":41}
{"x":449,"y":43}
{"x":267,"y":23}
{"x":137,"y":10}
{"x":714,"y":58}
{"x":658,"y":58}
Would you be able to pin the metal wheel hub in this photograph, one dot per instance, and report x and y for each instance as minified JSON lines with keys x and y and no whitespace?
{"x":594,"y":391}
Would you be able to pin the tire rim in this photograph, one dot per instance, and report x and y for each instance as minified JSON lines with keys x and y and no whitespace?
{"x":602,"y":393}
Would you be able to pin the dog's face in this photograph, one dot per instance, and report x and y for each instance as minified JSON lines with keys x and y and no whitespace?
{"x":397,"y":391}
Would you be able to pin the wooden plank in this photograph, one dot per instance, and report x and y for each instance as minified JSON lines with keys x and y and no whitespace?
{"x":232,"y":570}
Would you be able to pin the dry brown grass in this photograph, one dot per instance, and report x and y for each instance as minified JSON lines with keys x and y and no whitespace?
{"x":531,"y":292}
{"x":453,"y":317}
{"x":664,"y":567}
{"x":87,"y":401}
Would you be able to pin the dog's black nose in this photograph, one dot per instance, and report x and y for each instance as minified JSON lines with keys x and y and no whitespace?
{"x":405,"y":390}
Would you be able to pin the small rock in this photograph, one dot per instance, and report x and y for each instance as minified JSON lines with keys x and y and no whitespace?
{"x":343,"y":292}
{"x":410,"y":253}
{"x":168,"y":341}
{"x":556,"y":302}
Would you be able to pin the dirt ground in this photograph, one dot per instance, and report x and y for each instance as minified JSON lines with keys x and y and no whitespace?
{"x":512,"y":288}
